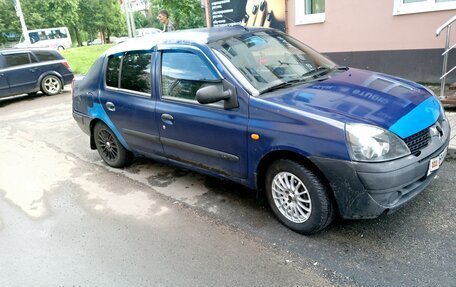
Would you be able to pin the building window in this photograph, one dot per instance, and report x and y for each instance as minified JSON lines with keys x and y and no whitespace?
{"x":419,"y":6}
{"x":309,"y":11}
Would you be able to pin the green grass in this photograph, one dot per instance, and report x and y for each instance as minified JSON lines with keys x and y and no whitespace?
{"x":82,"y":58}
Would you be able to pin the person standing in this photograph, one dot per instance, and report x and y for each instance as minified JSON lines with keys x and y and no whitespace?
{"x":163,"y":17}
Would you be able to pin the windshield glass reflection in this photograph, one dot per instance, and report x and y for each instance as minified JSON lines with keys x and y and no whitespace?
{"x":270,"y":58}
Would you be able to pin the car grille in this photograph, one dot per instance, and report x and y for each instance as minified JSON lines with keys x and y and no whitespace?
{"x":418,"y":141}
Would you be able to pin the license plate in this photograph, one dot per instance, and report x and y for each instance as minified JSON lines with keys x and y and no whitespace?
{"x":436,"y":162}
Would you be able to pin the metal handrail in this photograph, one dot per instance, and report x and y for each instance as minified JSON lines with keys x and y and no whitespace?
{"x":447,"y":26}
{"x":447,"y":23}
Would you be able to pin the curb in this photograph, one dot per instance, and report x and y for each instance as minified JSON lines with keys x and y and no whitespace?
{"x":451,"y":116}
{"x":451,"y":154}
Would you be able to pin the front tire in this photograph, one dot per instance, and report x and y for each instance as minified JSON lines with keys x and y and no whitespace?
{"x":51,"y":85}
{"x":109,"y":147}
{"x":298,"y":197}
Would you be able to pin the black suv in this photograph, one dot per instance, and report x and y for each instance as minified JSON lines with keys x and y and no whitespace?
{"x":27,"y":71}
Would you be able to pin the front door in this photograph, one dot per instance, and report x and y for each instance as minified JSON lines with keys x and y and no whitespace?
{"x":207,"y":137}
{"x":129,"y":103}
{"x":22,"y":71}
{"x":4,"y":87}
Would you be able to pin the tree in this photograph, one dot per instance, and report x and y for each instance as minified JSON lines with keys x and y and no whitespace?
{"x":141,"y":21}
{"x":102,"y":17}
{"x":52,"y":13}
{"x":184,"y":14}
{"x":9,"y":22}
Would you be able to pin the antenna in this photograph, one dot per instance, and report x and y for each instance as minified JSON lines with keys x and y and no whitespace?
{"x":235,"y":23}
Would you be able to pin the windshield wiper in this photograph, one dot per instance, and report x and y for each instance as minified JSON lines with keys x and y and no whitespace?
{"x":316,"y":72}
{"x":342,"y":68}
{"x":282,"y":85}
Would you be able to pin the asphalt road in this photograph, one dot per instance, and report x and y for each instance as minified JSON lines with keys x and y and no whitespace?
{"x":67,"y":219}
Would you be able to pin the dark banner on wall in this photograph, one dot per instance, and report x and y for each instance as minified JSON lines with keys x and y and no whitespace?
{"x":259,"y":13}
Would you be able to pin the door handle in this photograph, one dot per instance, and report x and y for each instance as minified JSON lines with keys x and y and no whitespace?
{"x":1,"y":75}
{"x":33,"y":70}
{"x":110,"y":106}
{"x":167,"y":119}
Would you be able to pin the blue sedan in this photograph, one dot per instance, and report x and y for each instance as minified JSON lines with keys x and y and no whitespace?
{"x":258,"y":107}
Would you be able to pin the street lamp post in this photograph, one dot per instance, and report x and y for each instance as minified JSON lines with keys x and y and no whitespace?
{"x":17,"y":6}
{"x":127,"y":17}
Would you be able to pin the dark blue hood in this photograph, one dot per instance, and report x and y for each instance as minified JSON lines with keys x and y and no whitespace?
{"x":356,"y":95}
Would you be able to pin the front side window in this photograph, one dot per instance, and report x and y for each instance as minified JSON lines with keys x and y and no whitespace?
{"x":419,"y":6}
{"x":269,"y":58}
{"x":183,"y":73}
{"x":18,"y":59}
{"x":135,"y":74}
{"x":309,"y":11}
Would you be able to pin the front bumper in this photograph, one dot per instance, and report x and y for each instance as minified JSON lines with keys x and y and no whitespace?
{"x":366,"y":190}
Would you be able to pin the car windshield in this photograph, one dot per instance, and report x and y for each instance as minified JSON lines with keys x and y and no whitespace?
{"x":270,"y":59}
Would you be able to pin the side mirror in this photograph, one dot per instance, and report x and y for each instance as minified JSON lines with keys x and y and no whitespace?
{"x":214,"y":92}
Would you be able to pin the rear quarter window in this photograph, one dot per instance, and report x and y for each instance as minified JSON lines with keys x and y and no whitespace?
{"x":112,"y":71}
{"x":44,"y":56}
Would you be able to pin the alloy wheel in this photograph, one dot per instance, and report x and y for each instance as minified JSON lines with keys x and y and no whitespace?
{"x":291,"y":197}
{"x":51,"y":85}
{"x":108,"y":146}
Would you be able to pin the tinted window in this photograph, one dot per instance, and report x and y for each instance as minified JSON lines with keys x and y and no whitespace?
{"x":45,"y":56}
{"x":112,"y":71}
{"x":135,"y":74}
{"x":183,"y":73}
{"x":34,"y":37}
{"x":17,"y":59}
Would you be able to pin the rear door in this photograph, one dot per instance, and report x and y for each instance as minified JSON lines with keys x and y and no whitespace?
{"x":129,"y":103}
{"x":206,"y":136}
{"x":23,"y":71}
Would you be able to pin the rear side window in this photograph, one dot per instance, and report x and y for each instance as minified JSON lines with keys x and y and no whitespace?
{"x":44,"y":56}
{"x":112,"y":71}
{"x":135,"y":74}
{"x":18,"y":59}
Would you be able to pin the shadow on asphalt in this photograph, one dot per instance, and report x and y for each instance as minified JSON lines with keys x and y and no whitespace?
{"x":20,"y":98}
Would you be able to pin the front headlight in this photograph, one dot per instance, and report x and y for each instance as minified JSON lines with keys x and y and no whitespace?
{"x":373,"y":144}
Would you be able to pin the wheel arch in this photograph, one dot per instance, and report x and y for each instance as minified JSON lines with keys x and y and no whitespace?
{"x":111,"y":126}
{"x":92,"y":137}
{"x":49,"y":73}
{"x":275,"y":155}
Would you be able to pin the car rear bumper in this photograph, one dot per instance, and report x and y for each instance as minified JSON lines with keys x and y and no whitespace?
{"x":83,"y":121}
{"x":67,"y":78}
{"x":366,"y":190}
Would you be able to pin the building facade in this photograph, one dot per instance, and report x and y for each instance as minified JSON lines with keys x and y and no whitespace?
{"x":391,"y":36}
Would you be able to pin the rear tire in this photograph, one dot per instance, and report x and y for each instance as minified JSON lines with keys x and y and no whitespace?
{"x":109,"y":147}
{"x":51,"y":85}
{"x":298,"y":197}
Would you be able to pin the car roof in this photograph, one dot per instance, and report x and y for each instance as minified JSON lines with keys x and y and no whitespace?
{"x":18,"y":50}
{"x":190,"y":36}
